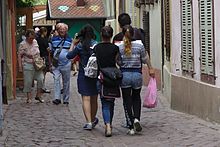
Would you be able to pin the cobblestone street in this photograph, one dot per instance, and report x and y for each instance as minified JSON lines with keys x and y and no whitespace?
{"x":48,"y":125}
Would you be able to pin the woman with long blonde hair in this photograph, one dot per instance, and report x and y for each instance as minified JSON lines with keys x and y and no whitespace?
{"x":133,"y":55}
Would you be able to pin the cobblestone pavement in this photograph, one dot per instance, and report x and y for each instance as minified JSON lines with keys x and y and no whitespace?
{"x":48,"y":125}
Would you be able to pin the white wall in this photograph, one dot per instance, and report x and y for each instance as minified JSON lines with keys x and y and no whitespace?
{"x":155,"y":36}
{"x":196,"y":40}
{"x":175,"y":37}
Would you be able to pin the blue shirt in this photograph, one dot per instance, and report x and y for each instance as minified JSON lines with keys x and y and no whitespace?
{"x":57,"y":42}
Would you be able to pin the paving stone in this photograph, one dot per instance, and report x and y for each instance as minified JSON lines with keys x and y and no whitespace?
{"x":48,"y":125}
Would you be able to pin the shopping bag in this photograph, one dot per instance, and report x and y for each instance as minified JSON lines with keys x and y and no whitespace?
{"x":150,"y":96}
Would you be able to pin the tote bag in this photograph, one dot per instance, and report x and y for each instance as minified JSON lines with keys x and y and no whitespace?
{"x":150,"y":96}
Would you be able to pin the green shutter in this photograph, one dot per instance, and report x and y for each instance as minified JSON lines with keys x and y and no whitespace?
{"x":146,"y":27}
{"x":206,"y":37}
{"x":187,"y":36}
{"x":167,"y":28}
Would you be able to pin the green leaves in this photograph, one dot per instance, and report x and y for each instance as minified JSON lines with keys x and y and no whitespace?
{"x":29,"y":3}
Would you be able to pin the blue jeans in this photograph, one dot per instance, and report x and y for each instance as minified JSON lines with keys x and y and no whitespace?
{"x":107,"y":109}
{"x":64,"y":72}
{"x":107,"y":106}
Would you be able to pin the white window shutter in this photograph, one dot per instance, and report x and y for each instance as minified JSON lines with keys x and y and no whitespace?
{"x":187,"y":36}
{"x":206,"y":37}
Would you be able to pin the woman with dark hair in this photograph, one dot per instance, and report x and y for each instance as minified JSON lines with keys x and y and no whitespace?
{"x":86,"y":86}
{"x":133,"y":55}
{"x":107,"y":54}
{"x":43,"y":43}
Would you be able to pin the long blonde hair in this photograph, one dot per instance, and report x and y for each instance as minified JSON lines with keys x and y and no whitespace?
{"x":128,"y":32}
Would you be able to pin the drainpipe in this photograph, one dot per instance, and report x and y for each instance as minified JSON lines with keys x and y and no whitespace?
{"x":1,"y":49}
{"x":162,"y":41}
{"x":1,"y":109}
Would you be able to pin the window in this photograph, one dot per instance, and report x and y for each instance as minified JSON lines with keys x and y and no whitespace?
{"x":207,"y":60}
{"x":167,"y":28}
{"x":187,"y":54}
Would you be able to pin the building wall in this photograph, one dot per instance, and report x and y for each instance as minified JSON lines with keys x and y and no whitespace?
{"x":195,"y":97}
{"x":190,"y":94}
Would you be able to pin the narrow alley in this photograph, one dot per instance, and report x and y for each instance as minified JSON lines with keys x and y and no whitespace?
{"x":49,"y":125}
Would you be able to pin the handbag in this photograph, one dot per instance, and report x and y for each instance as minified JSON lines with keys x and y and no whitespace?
{"x":39,"y":62}
{"x":111,"y":76}
{"x":150,"y":97}
{"x":110,"y":92}
{"x":55,"y":58}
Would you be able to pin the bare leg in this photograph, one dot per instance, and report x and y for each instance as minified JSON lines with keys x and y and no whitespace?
{"x":74,"y":69}
{"x":94,"y":107}
{"x":39,"y":92}
{"x":29,"y":97}
{"x":38,"y":95}
{"x":86,"y":105}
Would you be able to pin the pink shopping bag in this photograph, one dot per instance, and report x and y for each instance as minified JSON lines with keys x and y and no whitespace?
{"x":150,"y":96}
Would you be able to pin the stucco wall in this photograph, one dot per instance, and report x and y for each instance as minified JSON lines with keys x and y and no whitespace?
{"x":155,"y":36}
{"x":196,"y":98}
{"x":166,"y":83}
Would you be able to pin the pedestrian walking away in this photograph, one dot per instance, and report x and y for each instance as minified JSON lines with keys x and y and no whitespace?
{"x":75,"y":62}
{"x":87,"y":87}
{"x":107,"y":54}
{"x":125,"y":19}
{"x":61,"y":66}
{"x":133,"y":55}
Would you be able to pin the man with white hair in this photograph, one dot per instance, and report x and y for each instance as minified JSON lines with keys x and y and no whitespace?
{"x":61,"y":66}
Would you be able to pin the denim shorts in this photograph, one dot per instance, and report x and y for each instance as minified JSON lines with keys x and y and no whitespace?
{"x":132,"y":79}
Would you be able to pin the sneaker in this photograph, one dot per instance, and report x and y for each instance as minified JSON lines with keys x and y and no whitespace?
{"x":137,"y":125}
{"x":56,"y":101}
{"x":95,"y":122}
{"x":39,"y":99}
{"x":124,"y":124}
{"x":131,"y":132}
{"x":88,"y":126}
{"x":45,"y":90}
{"x":66,"y":103}
{"x":61,"y":91}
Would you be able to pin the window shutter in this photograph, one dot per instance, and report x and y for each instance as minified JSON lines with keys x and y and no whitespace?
{"x":206,"y":37}
{"x":167,"y":28}
{"x":187,"y":36}
{"x":146,"y":27}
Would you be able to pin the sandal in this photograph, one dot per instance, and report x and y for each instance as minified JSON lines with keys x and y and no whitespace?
{"x":39,"y":99}
{"x":108,"y":131}
{"x":45,"y":90}
{"x":28,"y":100}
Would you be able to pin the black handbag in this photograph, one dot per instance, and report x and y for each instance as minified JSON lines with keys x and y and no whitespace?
{"x":112,"y":76}
{"x":110,"y":92}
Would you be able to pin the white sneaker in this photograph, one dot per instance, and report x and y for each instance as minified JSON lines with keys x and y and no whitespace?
{"x":137,"y":125}
{"x":131,"y":132}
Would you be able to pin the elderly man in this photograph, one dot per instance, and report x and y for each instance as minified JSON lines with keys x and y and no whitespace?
{"x":61,"y":66}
